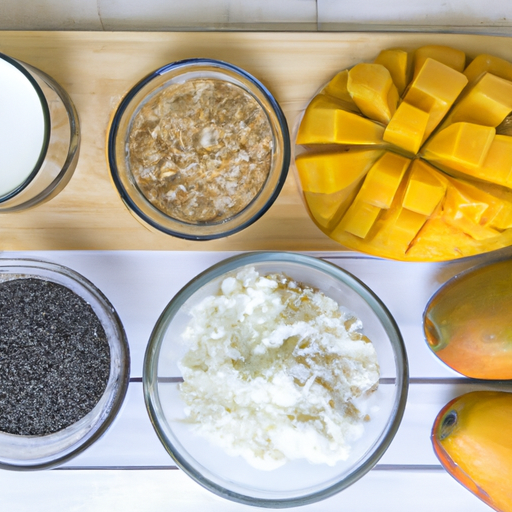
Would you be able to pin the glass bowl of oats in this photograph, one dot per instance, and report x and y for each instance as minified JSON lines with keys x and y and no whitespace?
{"x":198,"y":149}
{"x":275,"y":379}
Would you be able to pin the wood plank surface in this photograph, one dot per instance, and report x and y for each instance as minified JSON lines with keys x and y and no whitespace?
{"x":98,"y":68}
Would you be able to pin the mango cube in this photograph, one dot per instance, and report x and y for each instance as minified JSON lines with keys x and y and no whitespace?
{"x":497,"y":166}
{"x":325,"y":122}
{"x":407,"y":128}
{"x":327,"y":209}
{"x":377,"y":193}
{"x":425,"y":189}
{"x":493,"y":211}
{"x":373,"y":91}
{"x":359,"y":218}
{"x":383,"y":179}
{"x":337,"y":88}
{"x":465,"y":212}
{"x":451,"y":57}
{"x":488,"y":64}
{"x":397,"y":227}
{"x":434,"y":90}
{"x":397,"y":62}
{"x":330,"y":172}
{"x":487,"y":102}
{"x":461,"y":146}
{"x":406,"y":227}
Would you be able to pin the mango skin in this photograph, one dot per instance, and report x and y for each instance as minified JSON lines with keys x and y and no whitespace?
{"x":468,"y":324}
{"x":471,"y":438}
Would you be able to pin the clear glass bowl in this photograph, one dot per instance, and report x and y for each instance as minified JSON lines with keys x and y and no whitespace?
{"x":59,"y":146}
{"x":24,"y":452}
{"x":140,"y":94}
{"x":297,"y":482}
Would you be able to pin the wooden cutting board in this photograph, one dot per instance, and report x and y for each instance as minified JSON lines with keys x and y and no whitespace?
{"x":98,"y":68}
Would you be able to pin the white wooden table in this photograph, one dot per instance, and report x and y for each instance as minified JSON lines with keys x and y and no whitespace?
{"x":128,"y":469}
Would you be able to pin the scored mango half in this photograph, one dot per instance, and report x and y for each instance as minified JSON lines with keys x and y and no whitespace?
{"x":410,"y":157}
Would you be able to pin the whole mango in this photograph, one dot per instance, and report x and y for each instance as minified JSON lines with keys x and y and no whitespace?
{"x":468,"y":323}
{"x":471,"y":438}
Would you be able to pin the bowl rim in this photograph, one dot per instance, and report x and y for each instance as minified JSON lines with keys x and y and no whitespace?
{"x":150,"y":366}
{"x":123,"y":379}
{"x":190,"y":63}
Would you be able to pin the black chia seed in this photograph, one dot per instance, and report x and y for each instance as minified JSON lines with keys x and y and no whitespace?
{"x":54,"y":357}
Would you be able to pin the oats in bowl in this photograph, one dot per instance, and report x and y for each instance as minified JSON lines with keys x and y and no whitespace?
{"x":200,"y":151}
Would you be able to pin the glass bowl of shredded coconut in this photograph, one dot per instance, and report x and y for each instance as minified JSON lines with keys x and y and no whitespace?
{"x":199,"y":149}
{"x":275,"y":379}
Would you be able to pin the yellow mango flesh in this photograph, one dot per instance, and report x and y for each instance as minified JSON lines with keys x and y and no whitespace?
{"x":330,"y":180}
{"x":470,"y":219}
{"x":402,"y":228}
{"x":461,"y":146}
{"x":393,"y":231}
{"x":382,"y":181}
{"x":397,"y":62}
{"x":497,"y":166}
{"x":407,"y":128}
{"x":471,"y":438}
{"x":465,"y":213}
{"x":325,"y":122}
{"x":337,"y":88}
{"x":473,"y":150}
{"x":330,"y":172}
{"x":373,"y":91}
{"x":488,"y":209}
{"x":425,"y":189}
{"x":377,"y":192}
{"x":434,"y":90}
{"x":451,"y":57}
{"x":487,"y":102}
{"x":453,"y":195}
{"x":488,"y":64}
{"x":327,"y":209}
{"x":359,"y":218}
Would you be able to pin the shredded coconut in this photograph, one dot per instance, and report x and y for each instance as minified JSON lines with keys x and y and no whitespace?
{"x":273,"y":372}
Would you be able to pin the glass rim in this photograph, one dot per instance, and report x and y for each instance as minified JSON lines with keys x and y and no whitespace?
{"x":150,"y":369}
{"x":112,"y":135}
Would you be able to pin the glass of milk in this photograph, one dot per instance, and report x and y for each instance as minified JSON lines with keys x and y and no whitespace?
{"x":39,"y":136}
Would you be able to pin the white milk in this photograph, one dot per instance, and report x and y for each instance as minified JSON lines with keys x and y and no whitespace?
{"x":22,"y":127}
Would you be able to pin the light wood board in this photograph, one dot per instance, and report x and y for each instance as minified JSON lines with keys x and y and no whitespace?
{"x":98,"y":68}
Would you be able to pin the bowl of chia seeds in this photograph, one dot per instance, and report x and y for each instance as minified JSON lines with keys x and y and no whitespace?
{"x":64,"y":364}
